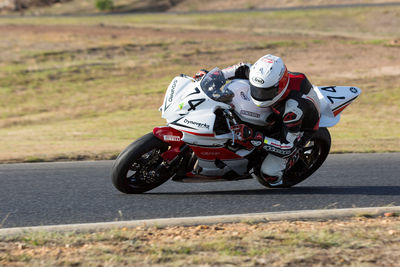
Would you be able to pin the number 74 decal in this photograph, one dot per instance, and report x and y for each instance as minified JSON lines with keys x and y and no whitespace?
{"x":333,"y":90}
{"x":194,"y":103}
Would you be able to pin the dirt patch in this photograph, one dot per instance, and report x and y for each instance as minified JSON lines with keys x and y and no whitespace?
{"x":140,"y":32}
{"x":302,"y":53}
{"x":190,"y":5}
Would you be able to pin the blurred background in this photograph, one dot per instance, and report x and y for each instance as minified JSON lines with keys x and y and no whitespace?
{"x":82,"y":79}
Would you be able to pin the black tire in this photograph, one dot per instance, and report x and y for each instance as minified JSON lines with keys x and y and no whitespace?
{"x":310,"y":159}
{"x":138,"y":168}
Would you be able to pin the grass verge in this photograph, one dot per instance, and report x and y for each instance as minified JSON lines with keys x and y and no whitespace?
{"x":358,"y":241}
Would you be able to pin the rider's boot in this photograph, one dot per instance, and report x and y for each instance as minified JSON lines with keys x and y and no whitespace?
{"x":272,"y":169}
{"x":272,"y":180}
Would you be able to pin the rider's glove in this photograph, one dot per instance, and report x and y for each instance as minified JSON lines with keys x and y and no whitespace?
{"x":246,"y":137}
{"x":200,"y":74}
{"x":257,"y":140}
{"x":242,"y":132}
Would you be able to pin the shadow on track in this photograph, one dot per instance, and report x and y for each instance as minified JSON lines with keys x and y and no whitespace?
{"x":312,"y":190}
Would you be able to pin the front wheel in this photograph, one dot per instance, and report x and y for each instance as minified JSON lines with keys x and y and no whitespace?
{"x":311,"y":157}
{"x":140,"y":167}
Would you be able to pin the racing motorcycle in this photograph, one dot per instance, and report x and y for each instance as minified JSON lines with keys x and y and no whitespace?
{"x":199,"y":143}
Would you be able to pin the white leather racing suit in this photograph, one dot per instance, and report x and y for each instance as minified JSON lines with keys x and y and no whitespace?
{"x":296,"y":115}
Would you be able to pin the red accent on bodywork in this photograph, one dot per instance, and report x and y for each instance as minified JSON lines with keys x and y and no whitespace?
{"x":336,"y":112}
{"x":212,"y":153}
{"x":169,"y":135}
{"x":166,"y":134}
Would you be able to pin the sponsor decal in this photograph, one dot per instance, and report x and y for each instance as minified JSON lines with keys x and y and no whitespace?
{"x":244,"y":96}
{"x":258,"y":80}
{"x":172,"y":138}
{"x":249,"y":113}
{"x":171,"y":96}
{"x":209,"y":153}
{"x":181,"y":105}
{"x":197,"y":124}
{"x":277,"y":150}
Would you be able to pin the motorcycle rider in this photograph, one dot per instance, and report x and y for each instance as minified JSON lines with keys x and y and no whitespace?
{"x":295,"y":112}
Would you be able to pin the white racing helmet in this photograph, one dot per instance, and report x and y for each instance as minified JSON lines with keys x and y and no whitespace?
{"x":269,"y":80}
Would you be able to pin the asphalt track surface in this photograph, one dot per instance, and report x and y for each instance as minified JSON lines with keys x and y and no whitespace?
{"x":81,"y":192}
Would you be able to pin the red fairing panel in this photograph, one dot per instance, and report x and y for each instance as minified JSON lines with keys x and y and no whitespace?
{"x":172,"y":137}
{"x":212,"y":153}
{"x":168,"y":135}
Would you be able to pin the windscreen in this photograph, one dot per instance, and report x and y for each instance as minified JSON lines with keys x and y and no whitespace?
{"x":213,"y":85}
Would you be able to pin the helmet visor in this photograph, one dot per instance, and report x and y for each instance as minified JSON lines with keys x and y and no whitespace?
{"x":264,"y":94}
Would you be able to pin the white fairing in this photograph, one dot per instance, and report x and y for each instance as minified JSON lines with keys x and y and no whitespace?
{"x":333,"y":100}
{"x":188,"y":109}
{"x":245,"y":109}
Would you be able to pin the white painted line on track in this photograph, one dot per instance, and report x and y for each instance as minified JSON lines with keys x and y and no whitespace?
{"x":190,"y":221}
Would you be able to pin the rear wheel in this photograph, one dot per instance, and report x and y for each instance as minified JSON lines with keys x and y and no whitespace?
{"x":311,"y":157}
{"x":140,"y":167}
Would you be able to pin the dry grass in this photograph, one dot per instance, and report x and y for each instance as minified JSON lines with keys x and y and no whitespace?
{"x":360,"y":241}
{"x":88,"y":6}
{"x":78,"y":88}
